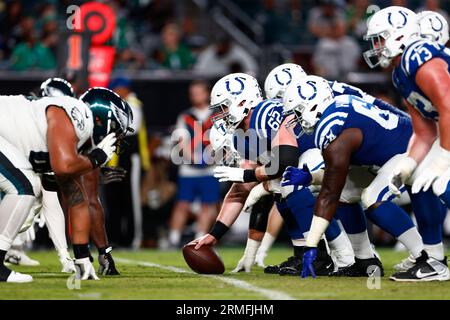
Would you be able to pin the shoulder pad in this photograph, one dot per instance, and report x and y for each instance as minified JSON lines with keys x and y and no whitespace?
{"x":331,"y":123}
{"x":416,"y":54}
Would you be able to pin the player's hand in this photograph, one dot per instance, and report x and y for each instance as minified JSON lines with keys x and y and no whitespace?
{"x":245,"y":264}
{"x":296,"y":177}
{"x":425,"y":180}
{"x":255,"y":194}
{"x":401,"y":173}
{"x":224,"y":173}
{"x":260,"y":257}
{"x":85,"y":270}
{"x":309,"y":257}
{"x":107,"y":266}
{"x":112,"y":174}
{"x":104,"y":151}
{"x":206,"y":240}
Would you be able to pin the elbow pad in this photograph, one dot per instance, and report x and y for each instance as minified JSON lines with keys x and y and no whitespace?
{"x":282,"y":157}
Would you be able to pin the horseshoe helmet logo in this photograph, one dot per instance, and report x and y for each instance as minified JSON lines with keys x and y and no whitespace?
{"x":312,"y":84}
{"x":398,"y":25}
{"x":240,"y":80}
{"x":441,"y":24}
{"x":287,"y":71}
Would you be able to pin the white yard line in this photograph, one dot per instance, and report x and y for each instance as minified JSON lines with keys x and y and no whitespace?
{"x":270,"y":294}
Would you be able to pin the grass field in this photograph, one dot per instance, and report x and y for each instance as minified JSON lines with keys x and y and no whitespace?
{"x":164,"y":275}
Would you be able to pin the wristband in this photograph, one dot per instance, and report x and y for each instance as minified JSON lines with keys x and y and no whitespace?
{"x":219,"y":229}
{"x":318,"y":227}
{"x":250,"y":176}
{"x":97,"y":157}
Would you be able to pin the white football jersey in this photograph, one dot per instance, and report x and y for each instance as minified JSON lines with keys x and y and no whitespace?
{"x":23,"y":122}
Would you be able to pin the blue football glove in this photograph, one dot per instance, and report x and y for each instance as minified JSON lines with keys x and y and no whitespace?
{"x":308,"y":263}
{"x":296,"y":177}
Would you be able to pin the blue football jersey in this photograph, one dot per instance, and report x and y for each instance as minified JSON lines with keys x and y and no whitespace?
{"x":255,"y":143}
{"x":404,"y":75}
{"x":385,"y":134}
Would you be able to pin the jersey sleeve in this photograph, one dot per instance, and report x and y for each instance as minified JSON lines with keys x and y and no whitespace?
{"x":330,"y":126}
{"x":340,"y":88}
{"x":268,"y":119}
{"x":418,"y":53}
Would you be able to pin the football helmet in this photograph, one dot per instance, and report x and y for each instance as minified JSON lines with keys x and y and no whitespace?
{"x":56,"y":87}
{"x":232,"y":98}
{"x":111,"y":113}
{"x":307,"y":99}
{"x":433,"y":26}
{"x":280,"y":78}
{"x":389,"y":30}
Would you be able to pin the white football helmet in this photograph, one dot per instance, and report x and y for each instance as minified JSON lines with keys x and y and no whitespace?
{"x":389,"y":30}
{"x":232,"y":98}
{"x":280,"y":77}
{"x":433,"y":26}
{"x":307,"y":99}
{"x":222,"y":141}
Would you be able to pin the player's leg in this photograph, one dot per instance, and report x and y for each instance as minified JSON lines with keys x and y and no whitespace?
{"x":56,"y":225}
{"x":180,"y":212}
{"x":393,"y":219}
{"x":257,"y":225}
{"x":20,"y":185}
{"x":274,"y":225}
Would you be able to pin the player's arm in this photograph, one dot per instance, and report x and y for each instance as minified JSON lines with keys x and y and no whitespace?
{"x":284,"y":154}
{"x":424,"y":135}
{"x":337,"y":158}
{"x":433,"y":79}
{"x":62,"y":145}
{"x":231,"y":208}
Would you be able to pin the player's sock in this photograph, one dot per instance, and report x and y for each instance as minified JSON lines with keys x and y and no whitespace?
{"x":81,"y":251}
{"x":341,"y":250}
{"x":174,"y":237}
{"x":54,"y":219}
{"x":412,"y":241}
{"x":428,"y":212}
{"x":301,"y":203}
{"x":435,"y":251}
{"x":298,"y":242}
{"x":354,"y":223}
{"x":266,"y":242}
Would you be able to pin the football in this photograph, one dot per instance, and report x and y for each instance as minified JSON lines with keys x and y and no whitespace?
{"x":204,"y":260}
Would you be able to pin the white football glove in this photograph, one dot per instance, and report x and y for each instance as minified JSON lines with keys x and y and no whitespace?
{"x":401,"y":173}
{"x":67,"y":263}
{"x":224,"y":173}
{"x":437,"y":167}
{"x":107,"y":145}
{"x":255,"y":194}
{"x":247,"y":261}
{"x":85,"y":270}
{"x":260,"y":257}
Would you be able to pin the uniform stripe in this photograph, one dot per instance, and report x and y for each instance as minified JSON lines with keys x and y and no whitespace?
{"x":15,"y":176}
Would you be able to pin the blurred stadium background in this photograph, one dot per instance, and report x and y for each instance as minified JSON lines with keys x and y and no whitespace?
{"x":153,"y":52}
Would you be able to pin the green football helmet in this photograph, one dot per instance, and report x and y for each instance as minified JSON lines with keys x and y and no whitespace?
{"x":111,"y":113}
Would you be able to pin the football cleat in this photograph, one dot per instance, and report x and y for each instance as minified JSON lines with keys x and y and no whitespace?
{"x":19,"y":257}
{"x":367,"y":267}
{"x":16,"y":277}
{"x":405,"y":264}
{"x":275,"y":269}
{"x":425,"y":269}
